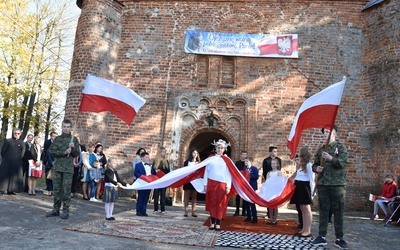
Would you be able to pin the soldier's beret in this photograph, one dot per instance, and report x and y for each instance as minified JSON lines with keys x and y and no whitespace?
{"x":334,"y":127}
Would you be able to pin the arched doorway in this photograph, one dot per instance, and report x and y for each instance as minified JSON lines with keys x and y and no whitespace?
{"x":202,"y":143}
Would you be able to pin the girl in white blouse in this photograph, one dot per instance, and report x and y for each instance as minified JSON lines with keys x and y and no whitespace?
{"x":304,"y":181}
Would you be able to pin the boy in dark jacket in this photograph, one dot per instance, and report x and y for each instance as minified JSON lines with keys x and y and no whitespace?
{"x":252,"y":177}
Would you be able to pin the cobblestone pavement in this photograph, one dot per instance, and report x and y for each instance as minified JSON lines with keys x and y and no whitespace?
{"x":23,"y":225}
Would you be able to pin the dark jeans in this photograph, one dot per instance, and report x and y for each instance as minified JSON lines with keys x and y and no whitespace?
{"x":161,"y":192}
{"x":93,"y":187}
{"x":74,"y":177}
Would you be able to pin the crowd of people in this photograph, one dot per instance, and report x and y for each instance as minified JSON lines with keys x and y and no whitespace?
{"x":64,"y":161}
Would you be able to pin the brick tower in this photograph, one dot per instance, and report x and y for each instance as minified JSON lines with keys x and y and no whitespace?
{"x":250,"y":102}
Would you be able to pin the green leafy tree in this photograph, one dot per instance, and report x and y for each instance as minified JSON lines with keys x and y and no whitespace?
{"x":35,"y":56}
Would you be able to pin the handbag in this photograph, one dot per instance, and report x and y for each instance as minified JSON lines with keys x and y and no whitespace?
{"x":48,"y":176}
{"x":35,"y":169}
{"x":36,"y":173}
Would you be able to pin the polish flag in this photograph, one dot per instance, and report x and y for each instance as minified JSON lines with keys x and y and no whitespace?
{"x":175,"y":178}
{"x":102,"y":95}
{"x":318,"y":111}
{"x":283,"y":188}
{"x":280,"y":45}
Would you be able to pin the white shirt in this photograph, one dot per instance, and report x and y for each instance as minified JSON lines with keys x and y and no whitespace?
{"x":85,"y":160}
{"x":147,"y":168}
{"x":274,"y":173}
{"x":38,"y":151}
{"x":218,"y":171}
{"x":306,"y":176}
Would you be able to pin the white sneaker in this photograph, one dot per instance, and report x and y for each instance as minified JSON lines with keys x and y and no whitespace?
{"x":93,"y":199}
{"x":163,"y":212}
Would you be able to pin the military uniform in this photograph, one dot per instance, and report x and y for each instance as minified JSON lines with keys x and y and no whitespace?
{"x":63,"y":170}
{"x":331,"y":187}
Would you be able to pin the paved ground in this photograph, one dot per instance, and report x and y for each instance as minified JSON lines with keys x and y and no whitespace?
{"x":23,"y":225}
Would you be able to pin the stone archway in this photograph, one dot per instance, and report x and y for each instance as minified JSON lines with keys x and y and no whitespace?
{"x":202,"y":138}
{"x":202,"y":143}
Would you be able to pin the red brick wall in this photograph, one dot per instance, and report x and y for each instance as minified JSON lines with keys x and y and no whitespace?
{"x":379,"y":143}
{"x":141,"y":43}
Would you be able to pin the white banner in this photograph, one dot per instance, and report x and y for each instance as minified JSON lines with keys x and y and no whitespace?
{"x":249,"y":45}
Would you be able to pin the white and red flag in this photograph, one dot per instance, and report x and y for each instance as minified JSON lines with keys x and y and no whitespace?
{"x":282,"y":188}
{"x":318,"y":111}
{"x":102,"y":95}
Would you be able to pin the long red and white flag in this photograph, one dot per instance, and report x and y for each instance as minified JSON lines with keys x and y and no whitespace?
{"x":281,"y":192}
{"x":318,"y":111}
{"x":102,"y":95}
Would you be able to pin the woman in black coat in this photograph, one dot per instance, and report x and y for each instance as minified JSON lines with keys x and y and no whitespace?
{"x":12,"y":151}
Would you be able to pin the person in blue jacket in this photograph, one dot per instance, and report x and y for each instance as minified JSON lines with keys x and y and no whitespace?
{"x":143,"y":168}
{"x":253,"y":174}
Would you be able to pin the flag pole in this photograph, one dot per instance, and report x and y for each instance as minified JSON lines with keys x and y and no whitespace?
{"x":322,"y":160}
{"x":77,"y":117}
{"x":74,"y":129}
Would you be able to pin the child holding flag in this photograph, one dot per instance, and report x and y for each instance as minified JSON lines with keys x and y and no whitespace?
{"x":253,"y":177}
{"x":112,"y":182}
{"x":143,"y":168}
{"x":273,"y":212}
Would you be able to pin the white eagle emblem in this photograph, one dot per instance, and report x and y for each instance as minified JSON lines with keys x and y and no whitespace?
{"x":284,"y":44}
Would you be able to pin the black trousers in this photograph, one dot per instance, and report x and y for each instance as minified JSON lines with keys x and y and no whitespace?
{"x":238,"y":205}
{"x":159,"y":193}
{"x":74,"y":177}
{"x":251,"y":210}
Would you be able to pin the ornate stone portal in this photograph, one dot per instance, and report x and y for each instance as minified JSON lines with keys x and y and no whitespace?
{"x":213,"y":117}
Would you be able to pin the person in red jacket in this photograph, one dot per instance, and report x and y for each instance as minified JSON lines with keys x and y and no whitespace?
{"x":388,"y":191}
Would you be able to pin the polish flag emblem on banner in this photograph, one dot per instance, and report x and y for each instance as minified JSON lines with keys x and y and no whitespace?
{"x":102,"y":95}
{"x":282,"y":45}
{"x":318,"y":111}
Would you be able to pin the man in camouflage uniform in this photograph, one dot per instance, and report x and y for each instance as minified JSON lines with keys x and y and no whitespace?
{"x":63,"y":150}
{"x":331,"y":187}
